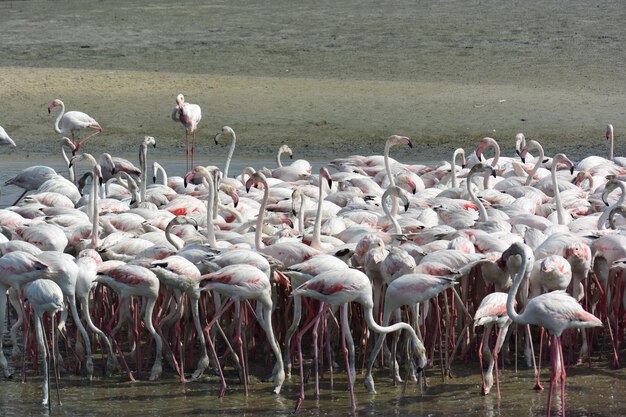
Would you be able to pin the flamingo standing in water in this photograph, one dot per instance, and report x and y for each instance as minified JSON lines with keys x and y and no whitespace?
{"x":72,"y":121}
{"x":556,"y":311}
{"x":44,"y":296}
{"x":189,"y":115}
{"x":16,"y":269}
{"x":338,"y":288}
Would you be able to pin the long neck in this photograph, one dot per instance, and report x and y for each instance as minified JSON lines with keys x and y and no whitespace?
{"x":371,"y":323}
{"x":453,"y":168}
{"x":231,"y":150}
{"x":494,"y":162}
{"x":158,"y":168}
{"x":560,"y":212}
{"x":390,"y":215}
{"x":168,"y":235}
{"x":605,"y":214}
{"x":392,"y":181}
{"x":95,"y":216}
{"x":278,"y":162}
{"x":611,"y":144}
{"x":510,"y":300}
{"x":259,"y":221}
{"x":210,"y":231}
{"x":67,"y":161}
{"x":315,"y":242}
{"x":58,"y":119}
{"x":539,"y":161}
{"x":143,"y":162}
{"x":482,"y":212}
{"x":301,"y":213}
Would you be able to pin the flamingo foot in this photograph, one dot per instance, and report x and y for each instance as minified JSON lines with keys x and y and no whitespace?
{"x":538,"y":386}
{"x":222,"y":391}
{"x":89,"y":368}
{"x":299,"y":402}
{"x":156,"y":371}
{"x":369,"y":384}
{"x":112,"y":365}
{"x":203,"y":363}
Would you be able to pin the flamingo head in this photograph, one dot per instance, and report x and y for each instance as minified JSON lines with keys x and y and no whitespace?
{"x":520,"y":143}
{"x":326,"y":175}
{"x":55,"y":102}
{"x":180,"y":100}
{"x":609,"y":132}
{"x":399,"y":140}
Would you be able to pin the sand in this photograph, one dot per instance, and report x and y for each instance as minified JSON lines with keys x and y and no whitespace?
{"x":328,"y":78}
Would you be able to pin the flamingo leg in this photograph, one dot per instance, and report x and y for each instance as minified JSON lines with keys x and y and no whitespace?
{"x":187,"y":149}
{"x":20,"y":197}
{"x":345,"y":327}
{"x":79,"y":144}
{"x":297,"y":316}
{"x":300,"y":398}
{"x":554,"y":359}
{"x":538,"y":385}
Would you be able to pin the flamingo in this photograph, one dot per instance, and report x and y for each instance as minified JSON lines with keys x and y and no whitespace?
{"x":5,"y":139}
{"x":555,"y":311}
{"x":16,"y":269}
{"x":189,"y":115}
{"x":72,"y":121}
{"x":408,"y":289}
{"x":246,"y":282}
{"x":492,"y":310}
{"x":44,"y":296}
{"x":135,"y":281}
{"x":338,"y":288}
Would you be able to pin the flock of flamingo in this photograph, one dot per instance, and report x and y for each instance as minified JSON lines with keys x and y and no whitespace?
{"x":431,"y":254}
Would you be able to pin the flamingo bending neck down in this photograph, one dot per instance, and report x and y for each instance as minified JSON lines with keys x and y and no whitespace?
{"x":555,"y":311}
{"x":72,"y":121}
{"x":340,"y":287}
{"x":189,"y":115}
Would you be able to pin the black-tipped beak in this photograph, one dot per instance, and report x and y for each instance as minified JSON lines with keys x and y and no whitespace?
{"x":330,"y":183}
{"x":100,"y":180}
{"x":523,"y":160}
{"x":185,"y":182}
{"x":216,"y":138}
{"x":154,"y":179}
{"x":493,"y":173}
{"x":571,"y":170}
{"x":406,"y":206}
{"x":293,"y":212}
{"x":545,"y":160}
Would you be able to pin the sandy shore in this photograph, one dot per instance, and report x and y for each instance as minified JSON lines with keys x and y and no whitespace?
{"x":276,"y":78}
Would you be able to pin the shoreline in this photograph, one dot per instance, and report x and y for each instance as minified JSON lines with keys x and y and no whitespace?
{"x":315,"y":117}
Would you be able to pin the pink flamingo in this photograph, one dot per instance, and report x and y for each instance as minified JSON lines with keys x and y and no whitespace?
{"x":338,"y":288}
{"x":135,"y":281}
{"x":556,"y":311}
{"x":44,"y":296}
{"x":189,"y":115}
{"x":16,"y":269}
{"x":492,"y":310}
{"x":72,"y":121}
{"x":245,"y":282}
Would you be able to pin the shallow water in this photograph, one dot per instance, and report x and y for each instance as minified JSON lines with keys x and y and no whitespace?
{"x":595,"y":391}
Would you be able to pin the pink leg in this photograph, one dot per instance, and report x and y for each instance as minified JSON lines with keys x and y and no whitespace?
{"x":495,"y":360}
{"x":554,"y":359}
{"x":344,"y":329}
{"x":193,"y":146}
{"x":300,"y":399}
{"x":560,"y":348}
{"x":239,"y":343}
{"x":538,"y":385}
{"x":207,"y":331}
{"x":87,"y":138}
{"x":316,"y":357}
{"x":480,"y":360}
{"x":116,"y":345}
{"x":187,"y":149}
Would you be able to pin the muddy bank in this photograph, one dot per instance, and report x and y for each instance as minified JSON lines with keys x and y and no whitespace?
{"x":328,"y":79}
